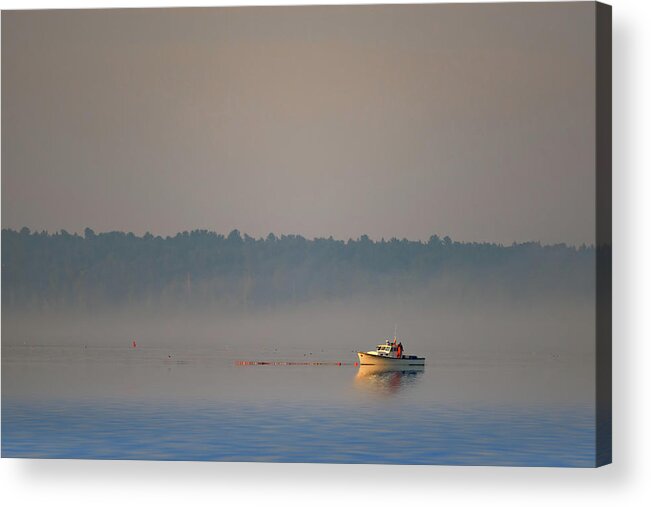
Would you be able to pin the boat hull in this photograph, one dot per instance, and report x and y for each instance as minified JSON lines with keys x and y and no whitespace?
{"x":402,"y":363}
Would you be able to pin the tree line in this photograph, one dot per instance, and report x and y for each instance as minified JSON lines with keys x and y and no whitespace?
{"x":41,"y":270}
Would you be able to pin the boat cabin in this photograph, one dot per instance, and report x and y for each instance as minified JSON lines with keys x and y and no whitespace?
{"x":389,"y":349}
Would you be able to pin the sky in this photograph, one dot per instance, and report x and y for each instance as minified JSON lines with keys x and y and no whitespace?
{"x":473,"y":121}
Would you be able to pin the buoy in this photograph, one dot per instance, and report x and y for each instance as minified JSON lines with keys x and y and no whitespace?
{"x":133,"y":344}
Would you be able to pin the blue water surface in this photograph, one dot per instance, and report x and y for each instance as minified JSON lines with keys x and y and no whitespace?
{"x":116,"y":405}
{"x":298,"y":433}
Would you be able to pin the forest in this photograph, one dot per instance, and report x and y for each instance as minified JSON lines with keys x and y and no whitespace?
{"x":200,"y":268}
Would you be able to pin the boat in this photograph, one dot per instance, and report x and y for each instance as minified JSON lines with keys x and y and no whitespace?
{"x":390,"y":354}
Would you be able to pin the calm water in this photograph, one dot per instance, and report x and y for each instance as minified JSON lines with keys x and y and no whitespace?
{"x":175,"y":404}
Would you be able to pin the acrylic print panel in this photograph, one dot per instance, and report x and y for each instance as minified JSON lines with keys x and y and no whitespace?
{"x":351,"y":234}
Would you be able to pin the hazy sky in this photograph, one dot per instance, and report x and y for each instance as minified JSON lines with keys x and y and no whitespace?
{"x":475,"y":121}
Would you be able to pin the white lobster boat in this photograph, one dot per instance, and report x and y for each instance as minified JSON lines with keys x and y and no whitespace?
{"x":389,"y":355}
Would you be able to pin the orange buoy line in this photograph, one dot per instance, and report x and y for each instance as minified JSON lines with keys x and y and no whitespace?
{"x":294,"y":363}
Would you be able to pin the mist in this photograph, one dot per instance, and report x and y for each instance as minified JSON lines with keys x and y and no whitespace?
{"x":425,"y":323}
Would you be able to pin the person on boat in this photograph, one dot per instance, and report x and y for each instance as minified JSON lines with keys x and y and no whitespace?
{"x":399,"y":350}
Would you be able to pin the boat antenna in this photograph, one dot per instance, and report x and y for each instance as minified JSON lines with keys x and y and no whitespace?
{"x":395,"y":333}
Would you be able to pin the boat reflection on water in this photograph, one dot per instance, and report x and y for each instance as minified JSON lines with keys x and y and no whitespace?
{"x":386,"y":381}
